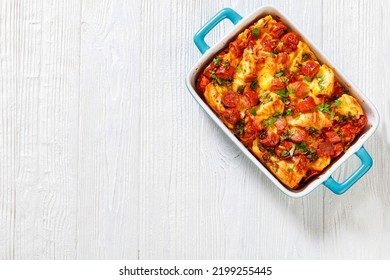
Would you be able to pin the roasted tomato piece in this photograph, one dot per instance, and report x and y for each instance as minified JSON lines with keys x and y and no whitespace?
{"x":251,"y":97}
{"x":325,"y":149}
{"x":281,"y":124}
{"x":290,"y":38}
{"x":202,"y":82}
{"x":338,"y":149}
{"x":277,"y":30}
{"x":267,"y":45}
{"x":306,"y":105}
{"x":230,"y":99}
{"x":310,"y":69}
{"x":268,"y":138}
{"x":331,"y":136}
{"x":225,"y":71}
{"x":277,"y":84}
{"x":290,"y":42}
{"x":292,"y":77}
{"x":300,"y":88}
{"x":231,"y":115}
{"x":299,"y":135}
{"x":250,"y":133}
{"x":301,"y":163}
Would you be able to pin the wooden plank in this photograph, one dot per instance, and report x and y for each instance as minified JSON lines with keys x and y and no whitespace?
{"x":107,"y":218}
{"x":39,"y":79}
{"x":357,"y":224}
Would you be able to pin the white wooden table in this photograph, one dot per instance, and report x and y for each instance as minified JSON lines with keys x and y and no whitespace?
{"x":105,"y":155}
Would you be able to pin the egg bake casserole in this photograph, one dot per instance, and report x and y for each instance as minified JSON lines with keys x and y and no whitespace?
{"x":286,"y":107}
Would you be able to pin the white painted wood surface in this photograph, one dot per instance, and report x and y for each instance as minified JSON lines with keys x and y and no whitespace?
{"x":105,"y":155}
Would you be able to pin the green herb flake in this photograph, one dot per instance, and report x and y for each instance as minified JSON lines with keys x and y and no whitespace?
{"x":285,"y":153}
{"x":282,"y":93}
{"x":217,"y":60}
{"x":279,"y":74}
{"x":272,"y":54}
{"x":302,"y":147}
{"x":271,"y":121}
{"x":286,"y":101}
{"x":256,"y":32}
{"x":254,"y":85}
{"x":288,"y":112}
{"x":307,"y":79}
{"x":252,"y":111}
{"x":320,"y":82}
{"x":292,"y":150}
{"x":290,"y":170}
{"x":239,"y":68}
{"x":291,"y":91}
{"x":336,"y":103}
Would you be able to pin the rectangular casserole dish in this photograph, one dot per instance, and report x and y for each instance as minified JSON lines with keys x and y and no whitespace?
{"x":325,"y":176}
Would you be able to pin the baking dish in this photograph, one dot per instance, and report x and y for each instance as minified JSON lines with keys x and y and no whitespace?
{"x":357,"y":147}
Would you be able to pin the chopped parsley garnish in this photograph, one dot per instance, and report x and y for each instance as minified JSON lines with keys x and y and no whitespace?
{"x":278,"y":116}
{"x":256,"y":32}
{"x":272,"y":54}
{"x":282,"y":93}
{"x":217,"y":60}
{"x":336,"y":103}
{"x":307,"y":79}
{"x":288,"y":112}
{"x":320,"y":81}
{"x":285,"y":153}
{"x":252,"y":111}
{"x":279,"y":74}
{"x":239,"y":68}
{"x":290,"y":170}
{"x":216,"y":79}
{"x":271,"y":121}
{"x":254,"y":85}
{"x":302,"y":147}
{"x":292,"y":150}
{"x":325,"y":108}
{"x":286,"y":101}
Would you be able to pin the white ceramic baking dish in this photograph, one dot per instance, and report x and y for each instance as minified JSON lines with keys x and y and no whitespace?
{"x":357,"y":147}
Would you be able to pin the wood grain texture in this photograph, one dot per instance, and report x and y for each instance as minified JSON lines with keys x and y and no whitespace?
{"x":357,"y":223}
{"x":109,"y":130}
{"x":105,"y":155}
{"x":40,"y":88}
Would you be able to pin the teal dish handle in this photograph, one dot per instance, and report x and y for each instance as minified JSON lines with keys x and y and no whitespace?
{"x":340,"y":188}
{"x":220,"y":16}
